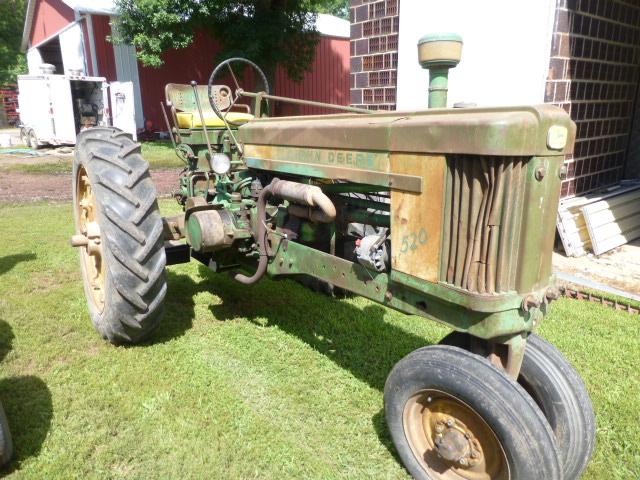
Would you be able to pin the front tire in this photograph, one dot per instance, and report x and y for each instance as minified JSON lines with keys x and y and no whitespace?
{"x":560,"y":393}
{"x":453,"y":415}
{"x":119,"y":234}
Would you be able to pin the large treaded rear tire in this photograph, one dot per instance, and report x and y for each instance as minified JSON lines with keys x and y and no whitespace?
{"x":131,"y":235}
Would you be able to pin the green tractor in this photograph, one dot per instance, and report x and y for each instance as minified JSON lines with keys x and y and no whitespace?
{"x":448,"y":214}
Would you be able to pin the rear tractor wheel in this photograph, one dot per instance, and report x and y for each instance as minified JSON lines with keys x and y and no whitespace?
{"x":119,"y":235}
{"x":6,"y":445}
{"x":453,"y":415}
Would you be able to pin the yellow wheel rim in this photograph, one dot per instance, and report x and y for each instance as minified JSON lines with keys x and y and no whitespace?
{"x":90,"y":240}
{"x":450,"y":440}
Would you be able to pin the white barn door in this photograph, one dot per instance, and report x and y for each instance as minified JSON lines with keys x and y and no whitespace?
{"x":72,"y":48}
{"x":123,"y":113}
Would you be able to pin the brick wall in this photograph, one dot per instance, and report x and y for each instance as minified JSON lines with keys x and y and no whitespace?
{"x":374,"y":53}
{"x":594,"y":73}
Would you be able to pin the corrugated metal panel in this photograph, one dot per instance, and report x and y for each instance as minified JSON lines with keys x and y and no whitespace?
{"x":327,"y":81}
{"x":613,"y":222}
{"x":571,"y":224}
{"x":180,"y":66}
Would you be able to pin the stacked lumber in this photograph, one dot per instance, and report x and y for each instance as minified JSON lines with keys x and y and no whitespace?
{"x":601,"y":221}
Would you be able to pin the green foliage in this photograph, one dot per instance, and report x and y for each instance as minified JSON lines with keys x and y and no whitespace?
{"x":12,"y":61}
{"x":339,"y":8}
{"x":269,"y":32}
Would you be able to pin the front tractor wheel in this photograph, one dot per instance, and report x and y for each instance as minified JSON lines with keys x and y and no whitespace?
{"x":558,"y":390}
{"x":452,"y":415}
{"x":119,"y":235}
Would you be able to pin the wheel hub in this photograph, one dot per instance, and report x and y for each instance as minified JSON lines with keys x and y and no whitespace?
{"x":89,"y":239}
{"x":450,"y":440}
{"x":456,"y":443}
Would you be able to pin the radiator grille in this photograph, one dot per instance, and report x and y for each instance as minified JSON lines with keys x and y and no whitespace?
{"x":483,"y":212}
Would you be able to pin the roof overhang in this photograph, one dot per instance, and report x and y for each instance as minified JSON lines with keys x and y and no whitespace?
{"x":333,"y":26}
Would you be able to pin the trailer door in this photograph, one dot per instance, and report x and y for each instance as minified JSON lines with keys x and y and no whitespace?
{"x":123,"y":109}
{"x":64,"y":124}
{"x":34,"y":102}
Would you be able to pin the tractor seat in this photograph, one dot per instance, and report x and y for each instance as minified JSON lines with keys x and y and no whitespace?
{"x":192,"y":119}
{"x":183,"y":105}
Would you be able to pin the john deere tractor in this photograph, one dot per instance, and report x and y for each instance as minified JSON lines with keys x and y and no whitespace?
{"x":448,"y":214}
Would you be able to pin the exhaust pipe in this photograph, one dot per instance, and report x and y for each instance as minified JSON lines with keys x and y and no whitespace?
{"x":308,"y":195}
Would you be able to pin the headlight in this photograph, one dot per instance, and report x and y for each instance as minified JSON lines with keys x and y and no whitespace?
{"x":220,"y":163}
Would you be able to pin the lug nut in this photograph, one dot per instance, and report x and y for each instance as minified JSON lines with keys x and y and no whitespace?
{"x":451,"y":422}
{"x":463,"y":461}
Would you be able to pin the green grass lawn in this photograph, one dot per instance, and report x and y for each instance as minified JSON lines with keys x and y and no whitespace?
{"x":269,"y":381}
{"x":160,"y":156}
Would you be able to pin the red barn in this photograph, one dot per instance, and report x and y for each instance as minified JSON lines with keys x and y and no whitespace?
{"x":73,"y":35}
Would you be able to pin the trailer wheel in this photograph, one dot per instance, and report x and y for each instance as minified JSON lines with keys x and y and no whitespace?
{"x":32,"y":140}
{"x":24,"y":139}
{"x":453,"y":415}
{"x":560,"y":393}
{"x":6,"y":445}
{"x":119,"y":235}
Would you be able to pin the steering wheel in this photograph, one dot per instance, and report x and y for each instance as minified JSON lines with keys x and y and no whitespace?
{"x":221,"y":98}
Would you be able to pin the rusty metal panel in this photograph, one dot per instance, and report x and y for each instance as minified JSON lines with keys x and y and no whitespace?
{"x":513,"y":131}
{"x":416,"y":218}
{"x":356,"y":166}
{"x":482,"y":228}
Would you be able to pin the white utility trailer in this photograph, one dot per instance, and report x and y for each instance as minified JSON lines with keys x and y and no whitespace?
{"x":55,"y":108}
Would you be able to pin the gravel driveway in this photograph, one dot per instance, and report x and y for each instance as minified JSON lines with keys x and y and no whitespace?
{"x":20,"y":187}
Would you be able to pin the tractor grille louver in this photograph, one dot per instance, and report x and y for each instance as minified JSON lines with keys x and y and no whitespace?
{"x":484,"y":204}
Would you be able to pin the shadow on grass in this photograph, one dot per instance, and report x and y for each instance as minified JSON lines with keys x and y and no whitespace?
{"x":9,"y":261}
{"x":178,"y":308}
{"x":27,"y":403}
{"x":6,"y":339}
{"x":28,"y":407}
{"x":357,"y":339}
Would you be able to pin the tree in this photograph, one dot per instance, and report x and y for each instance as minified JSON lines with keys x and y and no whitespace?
{"x":270,"y":32}
{"x":339,"y":8}
{"x":12,"y":61}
